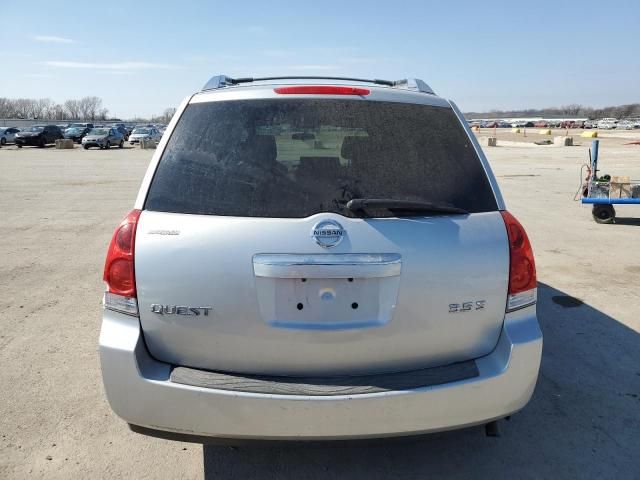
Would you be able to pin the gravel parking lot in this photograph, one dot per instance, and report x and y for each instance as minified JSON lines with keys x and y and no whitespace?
{"x":58,"y":211}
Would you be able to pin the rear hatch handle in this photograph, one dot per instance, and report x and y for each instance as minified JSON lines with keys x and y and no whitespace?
{"x":328,"y":265}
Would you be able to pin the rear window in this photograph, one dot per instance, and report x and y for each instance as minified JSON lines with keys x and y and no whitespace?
{"x":295,"y":158}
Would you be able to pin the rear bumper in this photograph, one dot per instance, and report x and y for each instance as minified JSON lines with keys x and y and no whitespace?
{"x":139,"y":390}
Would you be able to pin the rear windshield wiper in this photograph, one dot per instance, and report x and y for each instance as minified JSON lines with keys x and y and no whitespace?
{"x":362,"y":204}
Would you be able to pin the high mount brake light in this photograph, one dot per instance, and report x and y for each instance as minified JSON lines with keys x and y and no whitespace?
{"x":522,"y":268}
{"x":321,"y":90}
{"x":119,"y":272}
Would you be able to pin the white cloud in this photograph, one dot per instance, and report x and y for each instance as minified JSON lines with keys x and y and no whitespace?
{"x":52,"y":39}
{"x":14,"y":54}
{"x":109,"y":66}
{"x":117,"y":72}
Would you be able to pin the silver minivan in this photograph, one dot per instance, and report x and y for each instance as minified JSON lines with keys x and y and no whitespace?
{"x":318,"y":258}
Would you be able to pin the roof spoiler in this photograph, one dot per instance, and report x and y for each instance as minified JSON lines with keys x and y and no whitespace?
{"x":415,"y":84}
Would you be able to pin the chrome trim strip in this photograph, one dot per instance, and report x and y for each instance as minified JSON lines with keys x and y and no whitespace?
{"x":348,"y":265}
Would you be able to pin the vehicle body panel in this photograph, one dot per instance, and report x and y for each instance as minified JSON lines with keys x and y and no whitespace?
{"x":185,"y":268}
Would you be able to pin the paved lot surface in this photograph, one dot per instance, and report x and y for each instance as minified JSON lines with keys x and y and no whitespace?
{"x":57,"y":212}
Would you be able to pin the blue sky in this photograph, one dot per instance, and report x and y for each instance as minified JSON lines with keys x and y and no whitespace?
{"x":144,"y":56}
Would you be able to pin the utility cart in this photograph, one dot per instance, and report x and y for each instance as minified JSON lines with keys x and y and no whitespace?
{"x":606,"y":191}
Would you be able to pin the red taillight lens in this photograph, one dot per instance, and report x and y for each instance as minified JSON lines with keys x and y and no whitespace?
{"x":522,"y":269}
{"x":119,"y":273}
{"x":321,"y":90}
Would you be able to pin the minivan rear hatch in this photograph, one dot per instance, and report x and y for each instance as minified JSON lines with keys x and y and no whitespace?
{"x":250,"y":257}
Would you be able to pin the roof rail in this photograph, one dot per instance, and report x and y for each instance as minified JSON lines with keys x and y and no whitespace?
{"x":221,"y":81}
{"x":414,"y":84}
{"x":218,"y":81}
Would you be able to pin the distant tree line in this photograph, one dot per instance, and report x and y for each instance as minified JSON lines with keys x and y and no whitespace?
{"x":166,"y":116}
{"x":568,"y":111}
{"x":88,"y":108}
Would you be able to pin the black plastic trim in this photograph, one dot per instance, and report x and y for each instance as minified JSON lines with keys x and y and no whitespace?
{"x":328,"y":385}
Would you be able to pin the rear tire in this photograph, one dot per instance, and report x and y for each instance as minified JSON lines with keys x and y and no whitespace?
{"x":108,"y":145}
{"x":3,"y":141}
{"x":121,"y":145}
{"x":19,"y":146}
{"x":603,"y":213}
{"x":86,"y":147}
{"x":42,"y":143}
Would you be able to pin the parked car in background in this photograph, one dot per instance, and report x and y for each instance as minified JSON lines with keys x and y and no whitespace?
{"x":38,"y":136}
{"x":624,"y":125}
{"x":147,"y":133}
{"x":589,"y":124}
{"x":606,"y":124}
{"x":541,"y":124}
{"x":572,"y":124}
{"x":103,"y":138}
{"x":8,"y":135}
{"x":81,"y":125}
{"x":636,"y":123}
{"x":76,"y":133}
{"x":122,"y":129}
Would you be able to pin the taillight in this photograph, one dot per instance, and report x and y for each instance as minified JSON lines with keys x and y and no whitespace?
{"x":321,"y":90}
{"x":522,"y":267}
{"x":119,"y":271}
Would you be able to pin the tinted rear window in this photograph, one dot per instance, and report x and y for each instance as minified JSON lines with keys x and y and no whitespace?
{"x":295,"y":158}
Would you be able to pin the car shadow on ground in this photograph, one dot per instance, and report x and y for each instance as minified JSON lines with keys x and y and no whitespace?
{"x":627,"y":221}
{"x":582,"y":422}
